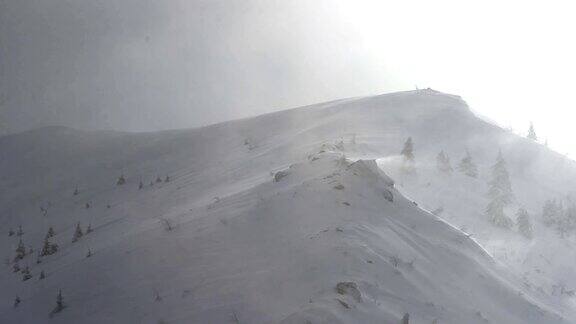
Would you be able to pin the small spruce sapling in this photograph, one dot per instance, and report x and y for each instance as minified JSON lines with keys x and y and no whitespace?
{"x":20,"y":251}
{"x":532,"y":133}
{"x":443,"y":163}
{"x":77,"y":233}
{"x":59,"y":303}
{"x":121,"y":180}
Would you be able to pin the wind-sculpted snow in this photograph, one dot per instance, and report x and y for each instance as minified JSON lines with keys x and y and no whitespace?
{"x":282,"y":218}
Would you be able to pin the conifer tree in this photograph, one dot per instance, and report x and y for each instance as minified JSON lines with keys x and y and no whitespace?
{"x":89,"y":229}
{"x":17,"y":301}
{"x":51,"y":232}
{"x":121,"y":180}
{"x":89,"y":254}
{"x":26,"y":274}
{"x":11,"y":232}
{"x":48,"y":248}
{"x":42,"y":275}
{"x":20,"y":231}
{"x":167,"y":179}
{"x":532,"y":133}
{"x":408,"y":156}
{"x":567,"y":222}
{"x":16,"y":267}
{"x":443,"y":163}
{"x":20,"y":251}
{"x":524,"y":223}
{"x":158,"y":179}
{"x":140,"y":185}
{"x":76,"y":192}
{"x":77,"y":233}
{"x":467,"y":166}
{"x":500,"y":193}
{"x":59,"y":303}
{"x":551,"y":212}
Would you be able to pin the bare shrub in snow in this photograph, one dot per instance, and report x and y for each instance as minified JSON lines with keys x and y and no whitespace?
{"x":408,"y":165}
{"x":349,"y":288}
{"x":167,"y":225}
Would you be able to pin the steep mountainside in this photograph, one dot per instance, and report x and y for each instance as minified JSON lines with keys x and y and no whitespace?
{"x":283,"y":218}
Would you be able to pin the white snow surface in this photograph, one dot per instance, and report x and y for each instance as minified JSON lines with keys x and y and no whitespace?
{"x":269,"y":214}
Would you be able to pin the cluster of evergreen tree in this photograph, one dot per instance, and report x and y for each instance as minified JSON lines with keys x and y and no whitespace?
{"x":443,"y":164}
{"x":499,"y":193}
{"x":561,"y":219}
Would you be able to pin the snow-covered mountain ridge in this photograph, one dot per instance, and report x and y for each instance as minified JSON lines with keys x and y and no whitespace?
{"x":263,"y":218}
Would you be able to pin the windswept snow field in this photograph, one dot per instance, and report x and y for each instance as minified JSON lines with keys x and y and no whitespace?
{"x":300,"y":216}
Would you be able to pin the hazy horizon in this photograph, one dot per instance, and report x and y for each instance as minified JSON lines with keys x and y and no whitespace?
{"x":104,"y":65}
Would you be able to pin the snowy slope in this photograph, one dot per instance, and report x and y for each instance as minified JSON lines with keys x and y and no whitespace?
{"x":246,"y":248}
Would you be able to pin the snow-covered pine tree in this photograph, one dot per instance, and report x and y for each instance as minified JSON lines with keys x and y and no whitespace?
{"x":158,"y":179}
{"x":59,"y":303}
{"x":524,"y":223}
{"x":121,"y":180}
{"x":51,"y":232}
{"x":48,"y":248}
{"x":20,"y":231}
{"x":140,"y":185}
{"x":76,"y":192}
{"x":167,"y":179}
{"x":467,"y":166}
{"x":26,"y":274}
{"x":42,"y":275}
{"x":443,"y":162}
{"x":17,"y":301}
{"x":20,"y":251}
{"x":551,"y":212}
{"x":77,"y":233}
{"x":89,"y":229}
{"x":532,"y":133}
{"x":500,"y":194}
{"x":567,"y":221}
{"x":408,"y":165}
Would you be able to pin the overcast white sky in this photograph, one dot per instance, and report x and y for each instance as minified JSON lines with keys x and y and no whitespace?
{"x":148,"y":65}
